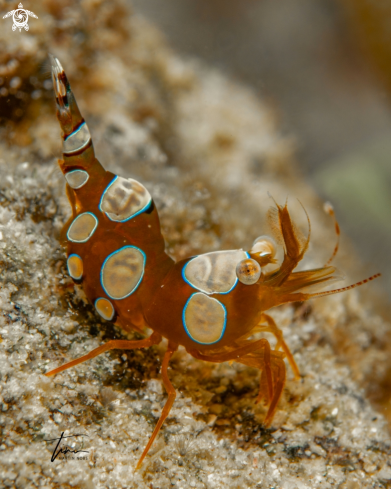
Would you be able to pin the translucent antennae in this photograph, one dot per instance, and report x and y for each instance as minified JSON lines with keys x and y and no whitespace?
{"x":309,"y":229}
{"x":328,"y":208}
{"x":343,"y":289}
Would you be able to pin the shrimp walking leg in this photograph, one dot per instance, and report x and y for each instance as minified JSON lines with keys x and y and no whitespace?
{"x":275,"y":330}
{"x":154,"y":339}
{"x":170,"y":401}
{"x":257,"y":354}
{"x":278,"y":375}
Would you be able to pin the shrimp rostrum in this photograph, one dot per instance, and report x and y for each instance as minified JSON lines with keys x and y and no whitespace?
{"x":211,"y":304}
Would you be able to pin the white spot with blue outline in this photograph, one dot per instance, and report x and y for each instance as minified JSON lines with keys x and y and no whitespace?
{"x":204,"y":319}
{"x":123,"y":199}
{"x":82,"y":228}
{"x":122,"y":272}
{"x":77,"y":140}
{"x":77,"y":178}
{"x":215,"y":272}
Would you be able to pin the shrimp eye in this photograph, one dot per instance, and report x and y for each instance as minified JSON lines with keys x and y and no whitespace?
{"x":264,"y":246}
{"x":248,"y":271}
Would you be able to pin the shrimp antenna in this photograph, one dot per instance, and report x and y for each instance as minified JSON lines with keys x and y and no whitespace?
{"x":309,"y":227}
{"x":329,"y":209}
{"x":343,"y":289}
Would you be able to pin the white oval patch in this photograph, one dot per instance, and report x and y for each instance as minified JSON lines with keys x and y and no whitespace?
{"x":122,"y":272}
{"x":82,"y":228}
{"x":214,"y":273}
{"x":77,"y":178}
{"x":124,"y":198}
{"x":204,"y":319}
{"x":77,"y":140}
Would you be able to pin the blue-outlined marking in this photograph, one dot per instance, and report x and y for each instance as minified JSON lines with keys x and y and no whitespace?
{"x":188,"y":332}
{"x":139,"y":281}
{"x":147,"y":205}
{"x":77,"y":171}
{"x":91,"y":233}
{"x":104,"y":299}
{"x":69,"y":146}
{"x":205,"y":291}
{"x":70,"y":256}
{"x":75,"y":131}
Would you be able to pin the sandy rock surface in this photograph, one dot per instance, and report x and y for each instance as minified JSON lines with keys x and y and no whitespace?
{"x":209,"y":151}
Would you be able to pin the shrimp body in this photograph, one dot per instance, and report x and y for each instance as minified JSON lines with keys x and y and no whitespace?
{"x":113,"y":239}
{"x":120,"y":264}
{"x":210,"y":309}
{"x":211,"y":304}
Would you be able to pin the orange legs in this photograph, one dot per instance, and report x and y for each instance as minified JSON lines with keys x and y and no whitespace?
{"x":154,"y":339}
{"x":277,"y":367}
{"x":275,"y":330}
{"x":170,"y":401}
{"x":257,"y":354}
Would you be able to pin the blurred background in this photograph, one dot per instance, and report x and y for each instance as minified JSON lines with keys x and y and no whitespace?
{"x":325,"y":67}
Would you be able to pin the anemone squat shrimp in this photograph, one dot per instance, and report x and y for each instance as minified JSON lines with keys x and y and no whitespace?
{"x":210,"y":304}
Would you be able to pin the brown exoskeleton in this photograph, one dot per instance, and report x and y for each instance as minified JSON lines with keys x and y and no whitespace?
{"x":211,"y":304}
